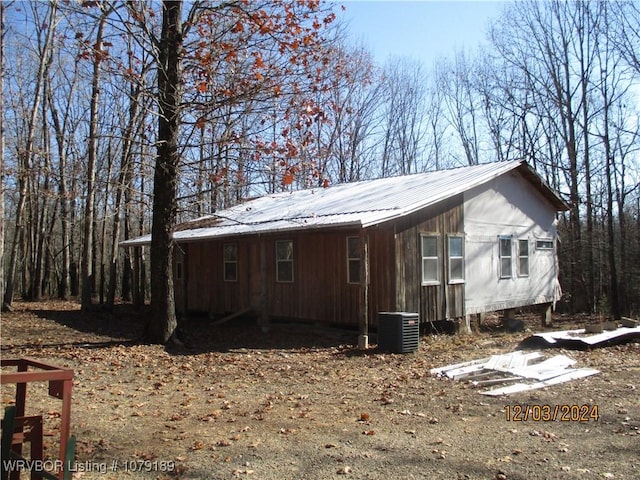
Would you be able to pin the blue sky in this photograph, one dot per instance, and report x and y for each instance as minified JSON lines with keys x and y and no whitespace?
{"x":424,"y":30}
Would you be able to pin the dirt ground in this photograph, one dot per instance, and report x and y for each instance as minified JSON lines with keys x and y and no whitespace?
{"x":301,"y":402}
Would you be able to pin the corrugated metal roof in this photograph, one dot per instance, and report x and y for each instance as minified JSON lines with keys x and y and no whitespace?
{"x":361,"y":204}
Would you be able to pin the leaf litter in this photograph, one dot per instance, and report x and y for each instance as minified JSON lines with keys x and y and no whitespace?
{"x":302,"y":402}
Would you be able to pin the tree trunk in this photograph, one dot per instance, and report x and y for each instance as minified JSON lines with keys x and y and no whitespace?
{"x":64,"y":281}
{"x":163,"y":322}
{"x":611,"y":252}
{"x":74,"y":268}
{"x":39,"y":226}
{"x":2,"y":31}
{"x":584,"y":34}
{"x":123,"y":176}
{"x":25,"y":161}
{"x":88,"y":272}
{"x":608,"y":90}
{"x":103,"y":234}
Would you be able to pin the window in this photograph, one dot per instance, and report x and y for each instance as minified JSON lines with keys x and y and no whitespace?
{"x":178,"y":270}
{"x":284,"y":261}
{"x":544,"y":244}
{"x":456,"y":259}
{"x":230,"y":260}
{"x":505,"y":257}
{"x":523,"y":258}
{"x":430,"y":270}
{"x":353,"y":259}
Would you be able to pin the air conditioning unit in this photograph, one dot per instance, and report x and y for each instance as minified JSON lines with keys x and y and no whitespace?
{"x":398,"y":332}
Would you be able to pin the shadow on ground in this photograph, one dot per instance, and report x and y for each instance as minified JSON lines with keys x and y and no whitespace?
{"x":199,"y":335}
{"x":125,"y":325}
{"x":122,"y":323}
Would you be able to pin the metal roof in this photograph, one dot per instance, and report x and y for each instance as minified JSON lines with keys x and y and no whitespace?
{"x":359,"y":204}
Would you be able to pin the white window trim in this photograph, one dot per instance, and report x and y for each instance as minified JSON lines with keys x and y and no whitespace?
{"x":225,"y":262}
{"x":455,"y":281}
{"x":437,"y":258}
{"x":353,"y":259}
{"x":545,"y":249}
{"x":501,"y":275}
{"x":279,"y":261}
{"x":527,"y":256}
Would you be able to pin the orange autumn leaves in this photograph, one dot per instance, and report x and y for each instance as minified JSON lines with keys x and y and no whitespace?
{"x":248,"y":52}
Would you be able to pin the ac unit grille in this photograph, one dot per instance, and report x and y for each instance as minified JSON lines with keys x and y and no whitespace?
{"x":398,"y":332}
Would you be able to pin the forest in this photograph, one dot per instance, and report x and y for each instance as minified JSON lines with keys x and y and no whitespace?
{"x":124,"y":118}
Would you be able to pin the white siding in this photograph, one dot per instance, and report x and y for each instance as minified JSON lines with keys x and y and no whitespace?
{"x":507,"y":206}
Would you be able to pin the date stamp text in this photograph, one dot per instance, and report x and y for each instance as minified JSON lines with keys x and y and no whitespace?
{"x":551,"y":413}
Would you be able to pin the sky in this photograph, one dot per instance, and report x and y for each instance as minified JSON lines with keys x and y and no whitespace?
{"x":423,"y":30}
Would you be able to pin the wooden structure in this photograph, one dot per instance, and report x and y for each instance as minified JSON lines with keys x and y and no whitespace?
{"x":24,"y":428}
{"x":444,"y":244}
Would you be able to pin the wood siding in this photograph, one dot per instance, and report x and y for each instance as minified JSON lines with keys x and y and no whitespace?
{"x":320,"y":290}
{"x":434,"y":302}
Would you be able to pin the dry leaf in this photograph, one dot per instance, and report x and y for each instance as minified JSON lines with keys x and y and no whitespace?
{"x":197,"y":445}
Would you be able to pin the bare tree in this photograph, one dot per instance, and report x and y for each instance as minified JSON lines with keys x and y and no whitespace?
{"x":25,"y":156}
{"x":574,"y":82}
{"x":166,"y":172}
{"x":404,"y":130}
{"x":2,"y":33}
{"x":437,"y":126}
{"x":344,"y":144}
{"x":461,"y":103}
{"x":625,"y":31}
{"x":88,"y":270}
{"x":538,"y":40}
{"x":613,"y":89}
{"x":63,"y":124}
{"x":132,"y":128}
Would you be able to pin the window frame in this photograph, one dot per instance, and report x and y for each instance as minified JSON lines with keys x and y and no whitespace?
{"x":502,"y":257}
{"x":227,"y":262}
{"x":542,"y":244}
{"x":462,"y":279}
{"x":424,"y":258}
{"x":354,"y":259}
{"x":521,"y":257}
{"x":280,"y":261}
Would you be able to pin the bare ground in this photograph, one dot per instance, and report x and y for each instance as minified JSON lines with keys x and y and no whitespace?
{"x":300,"y":402}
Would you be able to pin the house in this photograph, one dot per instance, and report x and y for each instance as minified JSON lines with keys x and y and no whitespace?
{"x":444,"y":244}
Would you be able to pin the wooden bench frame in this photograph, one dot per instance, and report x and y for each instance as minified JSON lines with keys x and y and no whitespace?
{"x":60,"y":385}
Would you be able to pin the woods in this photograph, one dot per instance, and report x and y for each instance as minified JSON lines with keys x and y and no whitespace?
{"x":120,"y":119}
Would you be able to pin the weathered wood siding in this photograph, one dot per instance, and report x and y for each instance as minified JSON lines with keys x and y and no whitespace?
{"x":433,"y":302}
{"x":382,"y":265}
{"x":320,"y":290}
{"x":203,"y":288}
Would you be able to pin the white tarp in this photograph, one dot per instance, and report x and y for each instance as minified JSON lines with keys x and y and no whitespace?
{"x":527,"y":369}
{"x":571,"y":374}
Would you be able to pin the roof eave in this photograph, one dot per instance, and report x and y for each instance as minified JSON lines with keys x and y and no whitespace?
{"x":549,"y":193}
{"x":184,"y":238}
